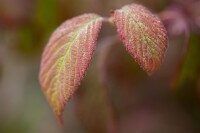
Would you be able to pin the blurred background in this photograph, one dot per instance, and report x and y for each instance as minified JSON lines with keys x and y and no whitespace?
{"x":115,"y":96}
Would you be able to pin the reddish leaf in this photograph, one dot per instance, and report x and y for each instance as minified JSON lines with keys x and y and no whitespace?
{"x":175,"y":21}
{"x":66,"y":58}
{"x":143,"y":35}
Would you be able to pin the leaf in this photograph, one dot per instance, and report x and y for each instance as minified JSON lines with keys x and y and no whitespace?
{"x":143,"y":35}
{"x":175,"y":22}
{"x":66,"y":58}
{"x":189,"y":72}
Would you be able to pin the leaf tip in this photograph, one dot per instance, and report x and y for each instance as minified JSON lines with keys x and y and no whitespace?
{"x":60,"y":119}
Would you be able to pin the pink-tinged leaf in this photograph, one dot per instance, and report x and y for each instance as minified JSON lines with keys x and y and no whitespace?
{"x":175,"y":21}
{"x":143,"y":35}
{"x":66,"y":58}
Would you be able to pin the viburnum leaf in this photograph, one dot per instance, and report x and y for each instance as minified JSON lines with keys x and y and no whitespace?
{"x":143,"y":35}
{"x":66,"y":58}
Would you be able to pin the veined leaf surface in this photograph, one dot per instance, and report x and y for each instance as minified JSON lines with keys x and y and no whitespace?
{"x":143,"y":35}
{"x":66,"y":58}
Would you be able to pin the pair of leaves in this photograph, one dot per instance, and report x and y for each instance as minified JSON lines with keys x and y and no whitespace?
{"x":71,"y":47}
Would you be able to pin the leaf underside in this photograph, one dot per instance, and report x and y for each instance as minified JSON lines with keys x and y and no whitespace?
{"x":143,"y":35}
{"x":66,"y":58}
